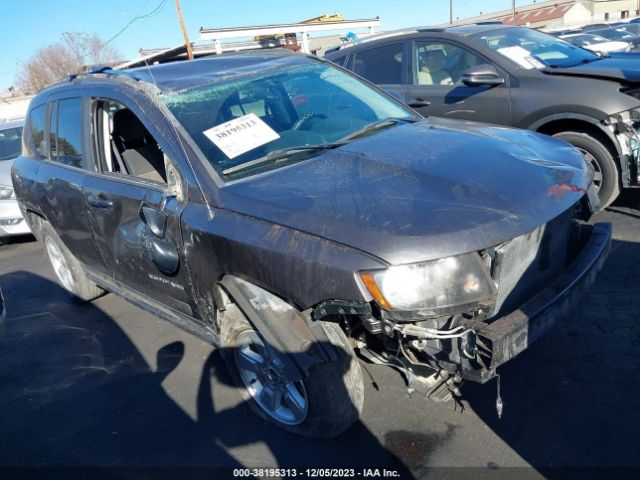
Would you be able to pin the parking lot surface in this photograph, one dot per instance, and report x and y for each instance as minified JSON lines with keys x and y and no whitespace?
{"x":108,"y":385}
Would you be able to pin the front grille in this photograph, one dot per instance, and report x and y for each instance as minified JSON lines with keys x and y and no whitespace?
{"x":523,"y":266}
{"x":10,"y":222}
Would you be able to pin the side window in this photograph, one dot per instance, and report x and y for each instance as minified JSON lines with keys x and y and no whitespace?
{"x":35,"y":141}
{"x":124,"y":145}
{"x":66,"y":132}
{"x":382,"y":65}
{"x":339,"y":60}
{"x":438,"y":63}
{"x":10,"y":143}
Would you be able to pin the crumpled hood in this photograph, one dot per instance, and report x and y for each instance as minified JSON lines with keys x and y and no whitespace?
{"x":421,"y":191}
{"x":622,"y":66}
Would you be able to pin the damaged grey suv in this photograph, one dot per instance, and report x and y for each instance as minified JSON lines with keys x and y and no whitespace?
{"x":302,"y":221}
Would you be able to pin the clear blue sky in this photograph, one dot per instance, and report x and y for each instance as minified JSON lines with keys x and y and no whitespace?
{"x":31,"y":24}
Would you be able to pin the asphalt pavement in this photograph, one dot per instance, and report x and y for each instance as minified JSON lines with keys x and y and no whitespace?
{"x":107,"y":389}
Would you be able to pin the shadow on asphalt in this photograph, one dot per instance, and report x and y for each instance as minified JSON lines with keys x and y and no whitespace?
{"x":571,"y":399}
{"x":75,"y":391}
{"x":17,"y":239}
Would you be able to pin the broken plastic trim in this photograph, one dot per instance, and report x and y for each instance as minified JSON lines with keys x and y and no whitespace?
{"x":340,"y":307}
{"x":625,"y":127}
{"x":282,"y":326}
{"x":438,"y":385}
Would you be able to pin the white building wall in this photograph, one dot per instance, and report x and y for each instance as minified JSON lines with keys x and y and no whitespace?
{"x":13,"y":108}
{"x":615,"y":7}
{"x":578,"y":14}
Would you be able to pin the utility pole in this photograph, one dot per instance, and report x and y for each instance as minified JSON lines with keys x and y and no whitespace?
{"x":513,"y":6}
{"x":450,"y":12}
{"x":184,"y":31}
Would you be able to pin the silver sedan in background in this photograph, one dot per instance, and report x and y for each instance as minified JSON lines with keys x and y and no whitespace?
{"x":11,"y":221}
{"x":596,"y":43}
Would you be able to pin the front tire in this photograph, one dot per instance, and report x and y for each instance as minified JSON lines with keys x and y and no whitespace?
{"x":68,"y":270}
{"x":322,"y":405}
{"x":595,"y":152}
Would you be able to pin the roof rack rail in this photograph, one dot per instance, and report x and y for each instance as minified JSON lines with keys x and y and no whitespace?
{"x":489,"y":22}
{"x":430,"y":29}
{"x":101,"y":69}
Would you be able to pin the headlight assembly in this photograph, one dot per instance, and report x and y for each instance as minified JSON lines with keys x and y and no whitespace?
{"x":443,"y":283}
{"x":7,"y":193}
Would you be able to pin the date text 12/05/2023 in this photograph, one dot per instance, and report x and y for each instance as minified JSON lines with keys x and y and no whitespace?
{"x":316,"y":473}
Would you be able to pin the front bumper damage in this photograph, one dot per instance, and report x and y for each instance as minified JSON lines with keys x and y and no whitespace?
{"x":471,"y":347}
{"x":504,"y":338}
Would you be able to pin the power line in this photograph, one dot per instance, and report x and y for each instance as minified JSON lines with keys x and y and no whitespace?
{"x":153,"y":12}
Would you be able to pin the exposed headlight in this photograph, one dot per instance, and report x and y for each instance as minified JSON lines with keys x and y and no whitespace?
{"x":7,"y":193}
{"x":442,"y":283}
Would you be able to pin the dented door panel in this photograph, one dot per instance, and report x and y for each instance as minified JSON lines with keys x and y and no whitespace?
{"x":127,"y":242}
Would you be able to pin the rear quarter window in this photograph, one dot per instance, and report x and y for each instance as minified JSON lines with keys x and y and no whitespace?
{"x":34,"y":135}
{"x":339,"y":60}
{"x":66,"y":145}
{"x":382,"y":65}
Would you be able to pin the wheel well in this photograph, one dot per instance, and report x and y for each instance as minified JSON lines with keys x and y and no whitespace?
{"x":573,"y":125}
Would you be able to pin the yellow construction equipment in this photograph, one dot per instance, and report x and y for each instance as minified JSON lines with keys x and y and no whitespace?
{"x":336,"y":17}
{"x":290,"y":40}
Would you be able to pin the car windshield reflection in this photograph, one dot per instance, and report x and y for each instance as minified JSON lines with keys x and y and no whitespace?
{"x":532,"y":49}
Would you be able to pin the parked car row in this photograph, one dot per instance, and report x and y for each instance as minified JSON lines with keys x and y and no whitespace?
{"x":300,"y":218}
{"x":596,"y":43}
{"x":11,"y":221}
{"x":603,"y":37}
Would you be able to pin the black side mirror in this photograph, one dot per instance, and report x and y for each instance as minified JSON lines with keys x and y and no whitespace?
{"x":482,"y":75}
{"x":155,"y":220}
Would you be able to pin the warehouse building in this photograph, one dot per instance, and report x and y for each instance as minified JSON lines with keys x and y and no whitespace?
{"x":558,"y":13}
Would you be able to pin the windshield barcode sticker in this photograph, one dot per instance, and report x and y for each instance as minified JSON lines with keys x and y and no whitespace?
{"x":240,"y":135}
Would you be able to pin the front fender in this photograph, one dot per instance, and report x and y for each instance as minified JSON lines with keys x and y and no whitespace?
{"x":282,"y":326}
{"x":535,"y":126}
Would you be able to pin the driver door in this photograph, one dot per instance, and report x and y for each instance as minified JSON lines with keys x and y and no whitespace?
{"x":437,"y":88}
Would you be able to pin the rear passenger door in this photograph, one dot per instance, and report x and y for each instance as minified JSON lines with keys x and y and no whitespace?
{"x":134,"y":207}
{"x":62,"y":146}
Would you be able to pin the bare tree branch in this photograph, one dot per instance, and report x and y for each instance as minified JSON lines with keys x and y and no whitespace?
{"x":73,"y":53}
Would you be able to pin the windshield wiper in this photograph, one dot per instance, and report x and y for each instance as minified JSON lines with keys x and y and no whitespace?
{"x":384,"y":123}
{"x":582,"y":62}
{"x":287,"y":153}
{"x":283,"y":153}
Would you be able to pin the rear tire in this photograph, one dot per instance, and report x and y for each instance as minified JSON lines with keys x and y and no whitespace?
{"x":595,"y":152}
{"x":68,"y":270}
{"x":329,"y":398}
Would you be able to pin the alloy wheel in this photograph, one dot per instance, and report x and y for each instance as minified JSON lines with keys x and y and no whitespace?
{"x":59,"y":264}
{"x":591,"y":160}
{"x":262,"y":374}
